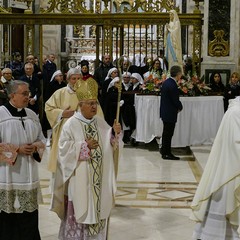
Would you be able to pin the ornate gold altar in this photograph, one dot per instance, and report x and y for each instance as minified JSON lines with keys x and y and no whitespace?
{"x":116,"y":27}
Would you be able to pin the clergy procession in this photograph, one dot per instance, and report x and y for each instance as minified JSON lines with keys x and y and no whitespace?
{"x":124,"y":129}
{"x":85,"y":149}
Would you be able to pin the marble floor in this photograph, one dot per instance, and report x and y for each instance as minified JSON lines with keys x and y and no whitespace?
{"x":153,"y":195}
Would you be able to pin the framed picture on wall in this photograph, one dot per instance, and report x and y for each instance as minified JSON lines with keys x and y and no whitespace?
{"x":225,"y":75}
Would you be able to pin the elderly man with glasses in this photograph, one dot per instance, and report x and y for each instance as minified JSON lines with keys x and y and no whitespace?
{"x":22,"y":136}
{"x":85,"y":181}
{"x":5,"y":82}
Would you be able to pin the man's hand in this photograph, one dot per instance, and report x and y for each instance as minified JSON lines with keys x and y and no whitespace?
{"x":92,"y":143}
{"x":117,"y":127}
{"x":8,"y":153}
{"x":67,"y":113}
{"x":32,"y":101}
{"x":27,"y":149}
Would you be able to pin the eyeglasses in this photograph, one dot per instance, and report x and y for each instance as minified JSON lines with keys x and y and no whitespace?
{"x":91,"y":104}
{"x":25,"y":94}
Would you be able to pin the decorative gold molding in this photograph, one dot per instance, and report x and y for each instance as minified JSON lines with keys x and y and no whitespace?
{"x":197,"y":43}
{"x":98,"y":19}
{"x":5,"y":10}
{"x":29,"y":6}
{"x":197,"y":10}
{"x":218,"y":47}
{"x":79,"y":6}
{"x":29,"y":40}
{"x":6,"y":41}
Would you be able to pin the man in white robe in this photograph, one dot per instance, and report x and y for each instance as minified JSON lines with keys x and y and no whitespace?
{"x":85,"y":180}
{"x":59,"y":107}
{"x":215,"y":206}
{"x":21,"y":140}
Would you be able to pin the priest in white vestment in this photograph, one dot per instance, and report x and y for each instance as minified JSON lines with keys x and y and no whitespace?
{"x":59,"y":107}
{"x":215,"y":206}
{"x":21,"y":140}
{"x":85,"y":184}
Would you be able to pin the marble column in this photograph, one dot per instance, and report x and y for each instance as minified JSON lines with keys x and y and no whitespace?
{"x":220,"y":38}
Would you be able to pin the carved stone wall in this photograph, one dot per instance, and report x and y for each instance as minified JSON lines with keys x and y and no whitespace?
{"x":52,"y":41}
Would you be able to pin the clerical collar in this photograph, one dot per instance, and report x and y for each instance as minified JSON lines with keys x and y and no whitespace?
{"x":82,"y":118}
{"x":3,"y":80}
{"x":18,"y":109}
{"x":16,"y":112}
{"x":126,"y":85}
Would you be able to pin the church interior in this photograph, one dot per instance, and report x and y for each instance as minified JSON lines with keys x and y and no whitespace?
{"x":154,"y":195}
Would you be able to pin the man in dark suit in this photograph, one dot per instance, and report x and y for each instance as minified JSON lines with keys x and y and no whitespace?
{"x":48,"y":69}
{"x":169,"y":108}
{"x":34,"y":87}
{"x":101,"y":71}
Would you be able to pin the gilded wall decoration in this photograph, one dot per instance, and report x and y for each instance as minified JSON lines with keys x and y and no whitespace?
{"x":97,"y":6}
{"x":219,"y":19}
{"x":218,"y":47}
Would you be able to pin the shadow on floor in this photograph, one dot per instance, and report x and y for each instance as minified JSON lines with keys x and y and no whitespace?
{"x":154,"y":146}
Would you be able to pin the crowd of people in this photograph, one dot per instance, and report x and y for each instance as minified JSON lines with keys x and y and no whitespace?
{"x":86,"y":118}
{"x":101,"y":107}
{"x":23,"y":142}
{"x":44,"y":81}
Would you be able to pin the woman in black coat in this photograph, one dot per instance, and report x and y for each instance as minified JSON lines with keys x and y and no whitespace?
{"x":232,"y":89}
{"x":216,"y":84}
{"x":55,"y":83}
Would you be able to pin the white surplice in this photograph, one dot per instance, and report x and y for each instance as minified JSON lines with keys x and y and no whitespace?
{"x":19,"y":184}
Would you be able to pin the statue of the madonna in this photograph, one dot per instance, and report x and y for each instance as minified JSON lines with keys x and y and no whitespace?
{"x":173,"y":43}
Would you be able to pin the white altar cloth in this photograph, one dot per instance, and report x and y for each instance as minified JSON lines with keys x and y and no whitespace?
{"x":197,"y":123}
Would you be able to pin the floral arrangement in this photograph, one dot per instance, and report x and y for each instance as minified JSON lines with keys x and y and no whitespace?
{"x":188,"y":85}
{"x":152,"y":84}
{"x":193,"y":86}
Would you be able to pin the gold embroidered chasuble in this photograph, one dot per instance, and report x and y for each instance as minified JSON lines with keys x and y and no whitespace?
{"x":96,"y":170}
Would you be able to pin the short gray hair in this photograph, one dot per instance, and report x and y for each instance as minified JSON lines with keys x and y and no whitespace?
{"x":175,"y":70}
{"x":73,"y":71}
{"x":28,"y":65}
{"x":6,"y":70}
{"x":15,"y":84}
